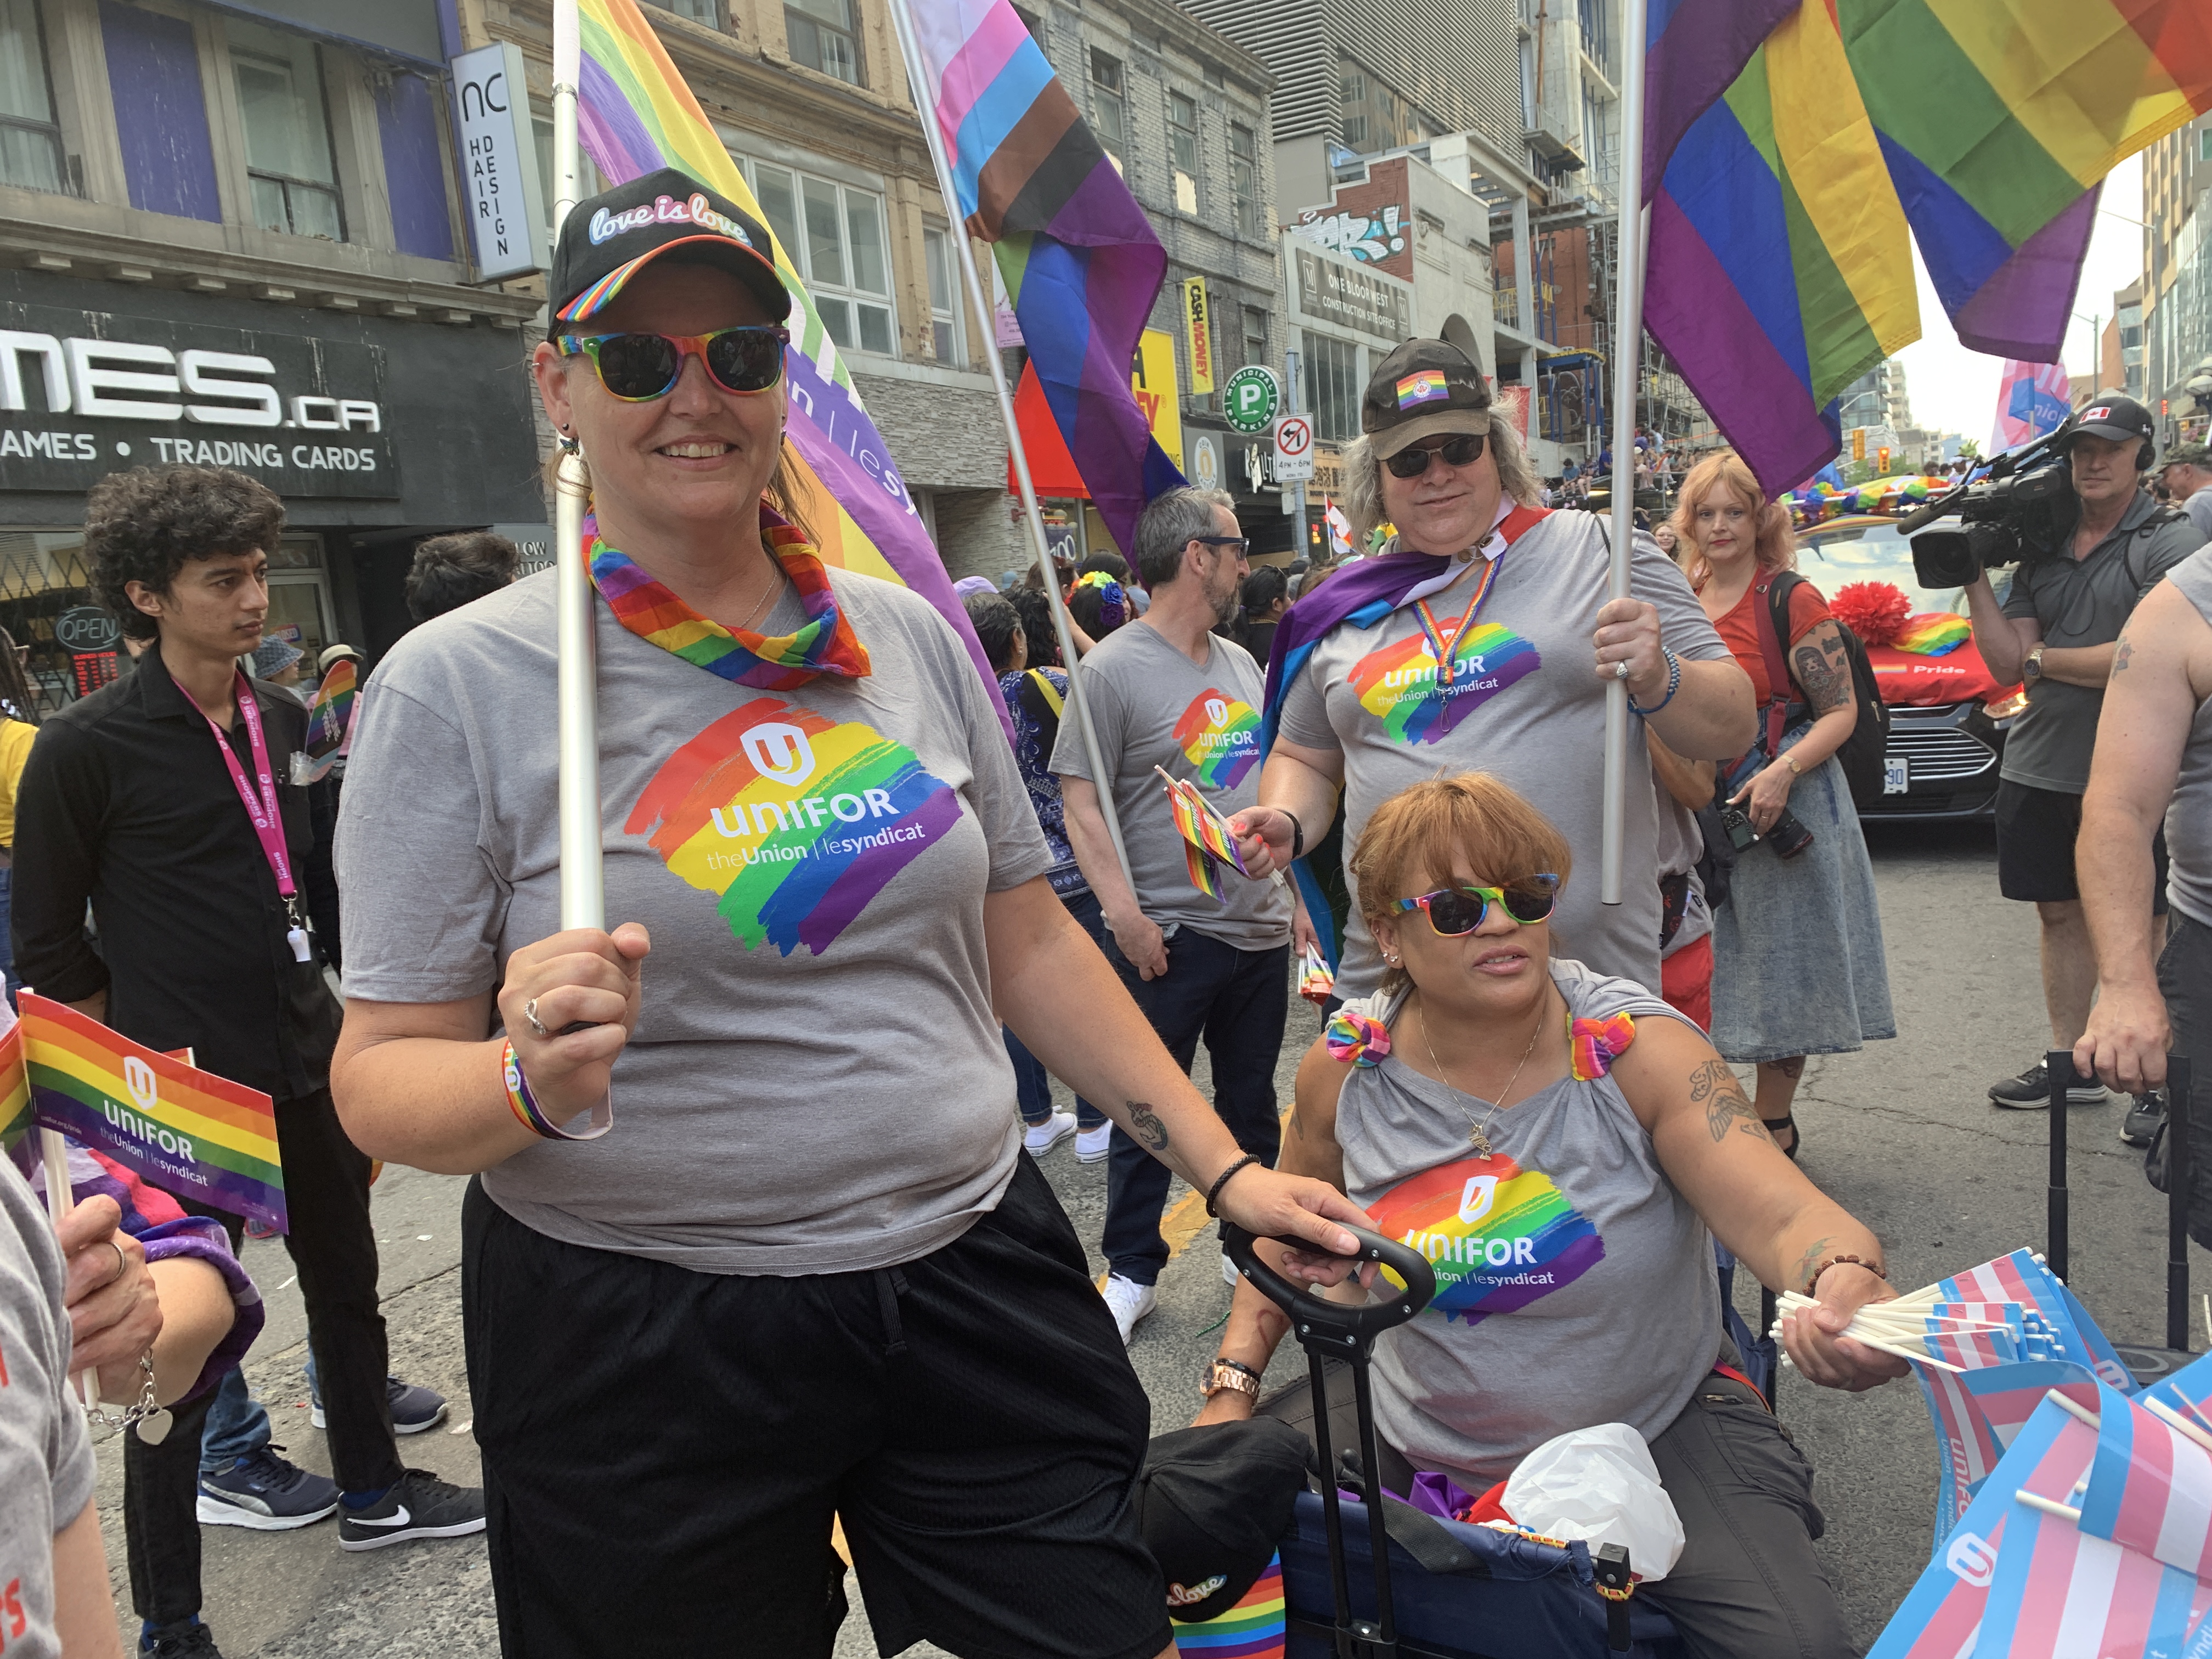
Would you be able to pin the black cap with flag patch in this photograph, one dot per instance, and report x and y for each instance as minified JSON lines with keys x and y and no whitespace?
{"x":609,"y":238}
{"x":1423,"y":388}
{"x":2115,"y":419}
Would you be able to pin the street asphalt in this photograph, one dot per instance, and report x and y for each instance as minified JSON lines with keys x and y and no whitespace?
{"x":1903,"y":1134}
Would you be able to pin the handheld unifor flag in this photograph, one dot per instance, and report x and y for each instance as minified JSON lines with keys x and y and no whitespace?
{"x":182,"y":1129}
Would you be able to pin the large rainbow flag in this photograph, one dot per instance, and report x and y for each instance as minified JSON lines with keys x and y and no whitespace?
{"x":1078,"y":257}
{"x":184,"y":1130}
{"x":1779,"y":268}
{"x":636,"y":115}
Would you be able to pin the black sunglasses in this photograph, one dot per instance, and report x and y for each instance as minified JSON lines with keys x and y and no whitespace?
{"x":639,"y":368}
{"x":1235,"y":544}
{"x":1455,"y":451}
{"x":1455,"y":911}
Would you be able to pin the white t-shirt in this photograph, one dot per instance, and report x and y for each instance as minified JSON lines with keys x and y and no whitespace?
{"x":1525,"y":705}
{"x":817,"y":1083}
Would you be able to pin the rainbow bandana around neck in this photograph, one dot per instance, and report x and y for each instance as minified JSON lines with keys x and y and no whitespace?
{"x":766,"y":662}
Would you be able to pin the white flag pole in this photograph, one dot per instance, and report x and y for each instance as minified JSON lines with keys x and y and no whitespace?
{"x":583,"y":892}
{"x":1102,"y":775}
{"x":1627,"y":349}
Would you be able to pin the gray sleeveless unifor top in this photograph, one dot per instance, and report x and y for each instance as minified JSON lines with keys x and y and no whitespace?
{"x":1574,"y":1284}
{"x":2188,"y":818}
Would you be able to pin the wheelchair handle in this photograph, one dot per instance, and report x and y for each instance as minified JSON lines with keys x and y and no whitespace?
{"x":1334,"y":1327}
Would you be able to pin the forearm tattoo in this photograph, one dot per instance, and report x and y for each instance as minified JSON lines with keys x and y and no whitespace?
{"x":1824,"y":671}
{"x":1145,"y":1124}
{"x":1713,"y":1087}
{"x":1814,"y":1252}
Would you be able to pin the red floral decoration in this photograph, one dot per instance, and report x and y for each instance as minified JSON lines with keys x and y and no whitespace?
{"x":1875,"y":611}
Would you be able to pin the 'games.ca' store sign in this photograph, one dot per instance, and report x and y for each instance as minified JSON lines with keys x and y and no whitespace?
{"x":85,"y":394}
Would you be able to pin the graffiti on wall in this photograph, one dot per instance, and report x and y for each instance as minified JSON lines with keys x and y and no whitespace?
{"x":1372,"y":237}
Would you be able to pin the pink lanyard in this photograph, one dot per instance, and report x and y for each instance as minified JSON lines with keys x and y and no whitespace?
{"x":261,"y":807}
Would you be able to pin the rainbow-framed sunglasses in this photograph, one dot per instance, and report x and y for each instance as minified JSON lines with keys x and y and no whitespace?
{"x":639,"y":368}
{"x":1454,"y":912}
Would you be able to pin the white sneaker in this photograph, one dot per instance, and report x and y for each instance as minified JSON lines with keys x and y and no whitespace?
{"x":1043,"y":1137}
{"x":1093,"y":1144}
{"x":1229,"y":1273}
{"x":1129,"y":1302}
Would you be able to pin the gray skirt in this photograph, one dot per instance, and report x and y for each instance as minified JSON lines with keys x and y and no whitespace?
{"x":1797,"y":957}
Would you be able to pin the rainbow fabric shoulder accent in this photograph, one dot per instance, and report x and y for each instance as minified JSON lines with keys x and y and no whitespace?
{"x":1594,"y":1044}
{"x":1356,"y":1039}
{"x":781,"y":662}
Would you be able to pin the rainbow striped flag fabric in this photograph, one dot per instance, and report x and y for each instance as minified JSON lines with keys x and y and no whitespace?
{"x":1079,"y":259}
{"x":1255,"y":1628}
{"x":184,"y":1130}
{"x":330,"y":719}
{"x":1783,"y":215}
{"x":635,"y":115}
{"x":1207,"y":842}
{"x":15,"y":1091}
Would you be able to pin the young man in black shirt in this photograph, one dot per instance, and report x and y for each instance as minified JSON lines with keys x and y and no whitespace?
{"x":165,"y":801}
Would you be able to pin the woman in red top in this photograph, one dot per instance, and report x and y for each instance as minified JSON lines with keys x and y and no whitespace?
{"x":1797,"y":953}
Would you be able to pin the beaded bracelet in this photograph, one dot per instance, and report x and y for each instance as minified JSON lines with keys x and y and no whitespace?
{"x":532,"y":1116}
{"x":1842,"y":1261}
{"x":1674,"y":684}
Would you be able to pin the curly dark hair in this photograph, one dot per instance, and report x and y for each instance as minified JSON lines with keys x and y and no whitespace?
{"x":451,"y":571}
{"x":1034,"y":610}
{"x":147,"y":524}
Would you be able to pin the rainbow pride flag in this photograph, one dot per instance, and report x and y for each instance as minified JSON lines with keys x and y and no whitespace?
{"x":1207,"y":842}
{"x":1779,"y":266}
{"x":1079,"y":259}
{"x":636,"y":115}
{"x":1933,"y":634}
{"x":330,"y":718}
{"x":15,"y":1091}
{"x":1257,"y":1627}
{"x":184,"y":1130}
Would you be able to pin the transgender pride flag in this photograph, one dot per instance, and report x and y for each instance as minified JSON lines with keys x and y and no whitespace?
{"x":2033,"y":399}
{"x":1077,"y":253}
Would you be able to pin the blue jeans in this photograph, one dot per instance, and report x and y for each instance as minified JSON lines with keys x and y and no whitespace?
{"x":14,"y":980}
{"x":1238,"y":1000}
{"x":1032,"y":1085}
{"x":236,"y":1425}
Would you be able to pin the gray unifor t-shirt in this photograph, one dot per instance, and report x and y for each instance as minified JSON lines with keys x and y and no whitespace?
{"x":2189,"y":816}
{"x":817,"y":1083}
{"x":1575,"y":1284}
{"x":2080,"y":602}
{"x":1526,"y":705}
{"x":46,"y":1455}
{"x":1152,"y":706}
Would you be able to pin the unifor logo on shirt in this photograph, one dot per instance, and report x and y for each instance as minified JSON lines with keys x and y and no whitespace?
{"x":1220,"y":736}
{"x":1499,"y":1237}
{"x":794,"y":822}
{"x":1399,"y":684}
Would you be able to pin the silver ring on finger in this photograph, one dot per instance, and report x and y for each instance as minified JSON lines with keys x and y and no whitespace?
{"x":530,"y":1013}
{"x":1621,"y":669}
{"x":122,"y":1262}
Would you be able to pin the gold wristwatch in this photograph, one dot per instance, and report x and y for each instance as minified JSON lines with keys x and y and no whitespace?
{"x":1220,"y":1374}
{"x":2032,"y":669}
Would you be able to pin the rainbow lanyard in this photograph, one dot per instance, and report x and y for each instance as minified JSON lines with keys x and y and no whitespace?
{"x":825,"y":644}
{"x":1441,"y":640}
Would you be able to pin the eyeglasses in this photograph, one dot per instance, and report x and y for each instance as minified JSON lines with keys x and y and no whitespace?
{"x":1235,"y":544}
{"x":639,"y":368}
{"x":1455,"y":911}
{"x":1455,"y":451}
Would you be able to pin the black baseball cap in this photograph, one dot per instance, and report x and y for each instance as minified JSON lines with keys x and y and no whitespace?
{"x":1423,"y":388}
{"x":2113,"y":418}
{"x":1213,"y":1501}
{"x":609,"y":238}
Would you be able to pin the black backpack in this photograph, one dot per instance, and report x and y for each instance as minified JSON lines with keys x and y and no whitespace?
{"x":1864,"y":753}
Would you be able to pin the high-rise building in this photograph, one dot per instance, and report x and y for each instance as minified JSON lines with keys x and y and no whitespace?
{"x":2177,"y":281}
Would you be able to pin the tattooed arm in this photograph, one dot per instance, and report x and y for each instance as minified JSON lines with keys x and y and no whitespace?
{"x":1711,"y":1143}
{"x":1042,"y":967}
{"x":1823,"y":673}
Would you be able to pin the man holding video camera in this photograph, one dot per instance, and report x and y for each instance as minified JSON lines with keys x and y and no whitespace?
{"x":2055,"y":632}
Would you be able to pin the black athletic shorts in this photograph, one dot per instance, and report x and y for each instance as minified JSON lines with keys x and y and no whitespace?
{"x":2036,"y":831}
{"x":663,"y":1450}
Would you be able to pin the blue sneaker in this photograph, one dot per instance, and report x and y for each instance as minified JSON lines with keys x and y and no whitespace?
{"x":263,"y":1491}
{"x":414,"y":1407}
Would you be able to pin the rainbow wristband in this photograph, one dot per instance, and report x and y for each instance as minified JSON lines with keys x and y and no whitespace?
{"x":530,"y":1116}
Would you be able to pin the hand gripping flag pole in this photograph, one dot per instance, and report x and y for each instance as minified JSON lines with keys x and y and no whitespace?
{"x":1627,"y":350}
{"x":902,"y":21}
{"x":583,"y":892}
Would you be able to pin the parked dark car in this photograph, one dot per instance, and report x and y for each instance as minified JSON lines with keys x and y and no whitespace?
{"x":1943,"y":753}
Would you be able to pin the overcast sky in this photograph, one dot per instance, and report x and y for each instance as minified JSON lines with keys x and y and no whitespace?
{"x":1955,"y":390}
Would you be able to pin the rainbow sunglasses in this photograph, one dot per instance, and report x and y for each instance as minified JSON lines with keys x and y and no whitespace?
{"x":639,"y":368}
{"x":1454,"y":912}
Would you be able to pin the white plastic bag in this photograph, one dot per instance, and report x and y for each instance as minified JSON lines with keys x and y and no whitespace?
{"x":1599,"y":1485}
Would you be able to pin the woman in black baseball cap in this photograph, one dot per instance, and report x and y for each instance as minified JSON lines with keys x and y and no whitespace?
{"x":809,"y":1269}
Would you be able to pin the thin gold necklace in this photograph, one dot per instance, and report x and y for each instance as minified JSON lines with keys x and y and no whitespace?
{"x":774,"y":586}
{"x":1476,"y":1136}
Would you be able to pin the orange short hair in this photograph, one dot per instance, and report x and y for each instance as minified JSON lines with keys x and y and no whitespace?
{"x":1473,"y":818}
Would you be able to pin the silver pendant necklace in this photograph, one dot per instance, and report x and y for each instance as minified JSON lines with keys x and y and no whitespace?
{"x":1476,"y":1136}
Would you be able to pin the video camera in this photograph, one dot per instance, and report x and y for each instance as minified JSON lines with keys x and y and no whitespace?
{"x":2024,"y":510}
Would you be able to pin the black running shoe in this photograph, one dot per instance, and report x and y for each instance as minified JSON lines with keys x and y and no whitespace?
{"x":2030,"y":1091}
{"x":2143,"y":1118}
{"x":190,"y":1640}
{"x":418,"y":1505}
